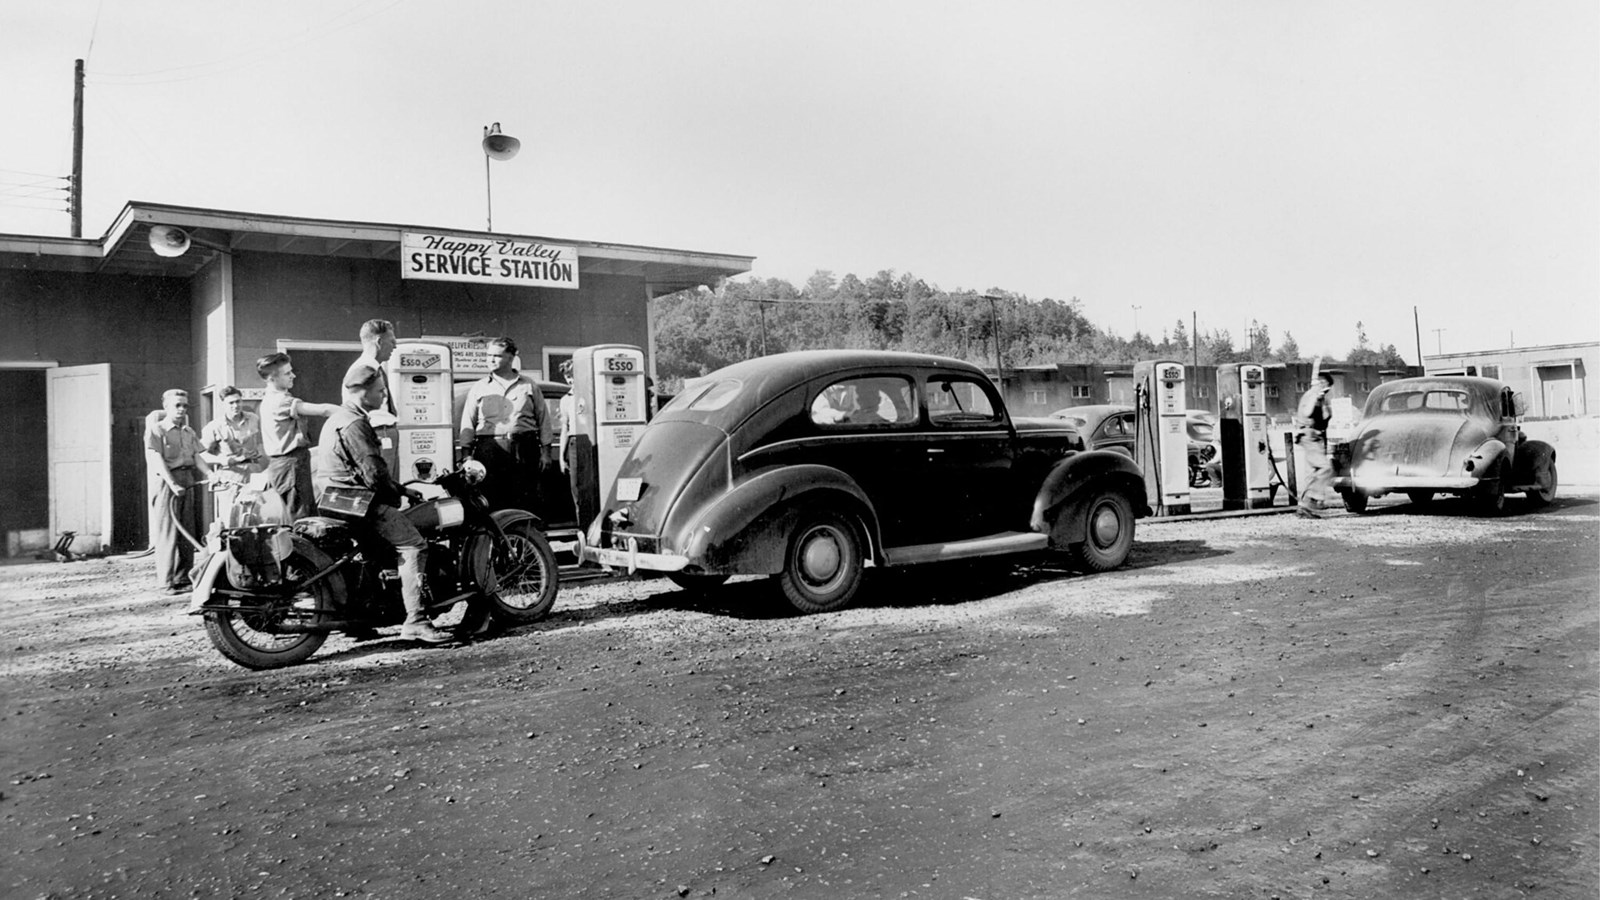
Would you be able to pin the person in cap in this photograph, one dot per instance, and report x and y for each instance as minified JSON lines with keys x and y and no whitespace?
{"x":349,"y":455}
{"x":172,"y":456}
{"x":1311,"y":433}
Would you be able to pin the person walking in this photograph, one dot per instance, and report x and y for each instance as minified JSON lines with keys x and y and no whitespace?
{"x":231,"y":446}
{"x":1311,"y":433}
{"x":503,"y":426}
{"x":172,"y":454}
{"x":287,"y":447}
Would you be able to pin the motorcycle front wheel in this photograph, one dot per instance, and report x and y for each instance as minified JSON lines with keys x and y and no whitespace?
{"x":524,"y":576}
{"x":247,"y":637}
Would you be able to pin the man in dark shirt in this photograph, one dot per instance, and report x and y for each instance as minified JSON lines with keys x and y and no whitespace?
{"x":349,"y":455}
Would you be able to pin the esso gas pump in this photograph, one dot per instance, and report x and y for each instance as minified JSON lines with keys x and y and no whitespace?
{"x":421,"y":387}
{"x":609,"y":410}
{"x":1161,"y":447}
{"x":1246,"y":463}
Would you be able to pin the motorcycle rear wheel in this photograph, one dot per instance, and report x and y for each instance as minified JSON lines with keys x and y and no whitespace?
{"x":526,"y":577}
{"x":246,"y":638}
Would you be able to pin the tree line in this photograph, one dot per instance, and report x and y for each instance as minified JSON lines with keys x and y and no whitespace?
{"x":702,"y":330}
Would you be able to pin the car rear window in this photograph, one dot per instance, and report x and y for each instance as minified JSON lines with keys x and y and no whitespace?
{"x":869,"y":400}
{"x":1430,"y":400}
{"x":718,"y":395}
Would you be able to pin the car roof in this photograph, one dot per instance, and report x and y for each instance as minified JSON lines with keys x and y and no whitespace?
{"x":1091,"y":411}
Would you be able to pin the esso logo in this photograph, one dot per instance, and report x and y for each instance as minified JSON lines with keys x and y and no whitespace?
{"x":1172,"y":373}
{"x":620,"y":364}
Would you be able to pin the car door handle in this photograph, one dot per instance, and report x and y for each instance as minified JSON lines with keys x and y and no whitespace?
{"x":935,"y":449}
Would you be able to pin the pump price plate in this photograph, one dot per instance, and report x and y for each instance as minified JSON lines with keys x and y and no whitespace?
{"x":628,"y":489}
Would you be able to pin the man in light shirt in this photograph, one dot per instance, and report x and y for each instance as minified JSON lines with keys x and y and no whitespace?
{"x":287,"y":447}
{"x":231,"y":445}
{"x":503,"y":426}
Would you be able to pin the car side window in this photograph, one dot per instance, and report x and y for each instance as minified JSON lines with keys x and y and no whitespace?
{"x":876,"y":400}
{"x":960,"y":400}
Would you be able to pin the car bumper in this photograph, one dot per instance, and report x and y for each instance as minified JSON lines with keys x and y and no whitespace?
{"x":1385,"y":484}
{"x":628,"y":557}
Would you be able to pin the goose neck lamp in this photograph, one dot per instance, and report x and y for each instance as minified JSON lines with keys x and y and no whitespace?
{"x":495,"y":146}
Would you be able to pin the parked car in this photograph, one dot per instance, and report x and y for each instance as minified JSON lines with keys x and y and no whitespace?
{"x":1205,"y":448}
{"x":1443,"y":434}
{"x":1104,"y":426}
{"x":554,"y":489}
{"x":811,"y":466}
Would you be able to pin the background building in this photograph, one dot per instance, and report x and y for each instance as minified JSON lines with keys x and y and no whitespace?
{"x":1555,"y":378}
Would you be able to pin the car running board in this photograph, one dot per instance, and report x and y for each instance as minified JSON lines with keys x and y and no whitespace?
{"x":1006,"y":542}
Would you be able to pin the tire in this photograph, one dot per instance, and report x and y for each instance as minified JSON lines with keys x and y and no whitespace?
{"x":1355,"y":501}
{"x":526,"y":576}
{"x":1420,"y":498}
{"x":1489,"y":497}
{"x":696,"y":583}
{"x":244,"y":638}
{"x":822,"y":567}
{"x":1542,"y":495}
{"x":1108,"y":533}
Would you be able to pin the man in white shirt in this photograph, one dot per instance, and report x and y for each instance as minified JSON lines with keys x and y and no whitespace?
{"x":503,"y":426}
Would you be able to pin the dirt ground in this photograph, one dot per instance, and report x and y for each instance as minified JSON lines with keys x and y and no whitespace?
{"x":1403,"y":704}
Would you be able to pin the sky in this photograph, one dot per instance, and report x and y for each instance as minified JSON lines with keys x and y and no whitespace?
{"x":1430,"y":170}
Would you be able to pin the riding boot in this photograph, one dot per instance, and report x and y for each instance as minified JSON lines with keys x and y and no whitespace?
{"x":417,"y":626}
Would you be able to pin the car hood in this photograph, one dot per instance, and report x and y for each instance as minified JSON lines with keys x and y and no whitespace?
{"x":669,"y":457}
{"x":1426,"y":445}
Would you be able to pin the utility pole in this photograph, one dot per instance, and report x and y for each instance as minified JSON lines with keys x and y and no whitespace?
{"x":1416,"y":324}
{"x":75,"y":195}
{"x":1439,"y":341}
{"x":1194,"y":336}
{"x":994,"y":326}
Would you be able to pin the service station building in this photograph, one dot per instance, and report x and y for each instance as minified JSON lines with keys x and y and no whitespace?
{"x":92,"y":331}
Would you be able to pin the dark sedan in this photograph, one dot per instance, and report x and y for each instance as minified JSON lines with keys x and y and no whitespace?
{"x":812,"y":466}
{"x":1104,"y":426}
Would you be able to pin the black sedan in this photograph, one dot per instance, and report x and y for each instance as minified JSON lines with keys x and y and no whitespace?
{"x":812,"y":466}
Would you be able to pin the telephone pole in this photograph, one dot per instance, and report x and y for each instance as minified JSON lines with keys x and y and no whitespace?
{"x":75,"y":195}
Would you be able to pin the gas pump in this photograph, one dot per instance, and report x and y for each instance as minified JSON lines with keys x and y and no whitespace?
{"x":1246,"y":463}
{"x":421,"y":386}
{"x":609,"y":411}
{"x":1161,"y":444}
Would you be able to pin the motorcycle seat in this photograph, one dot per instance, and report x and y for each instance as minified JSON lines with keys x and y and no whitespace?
{"x":319,"y":527}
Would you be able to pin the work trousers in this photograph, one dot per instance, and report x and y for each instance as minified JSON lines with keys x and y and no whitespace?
{"x":396,"y":530}
{"x":1317,"y":492}
{"x":174,"y":553}
{"x":515,"y":466}
{"x":290,"y":476}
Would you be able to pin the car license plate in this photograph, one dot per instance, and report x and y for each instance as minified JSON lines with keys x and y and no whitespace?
{"x":628,"y":489}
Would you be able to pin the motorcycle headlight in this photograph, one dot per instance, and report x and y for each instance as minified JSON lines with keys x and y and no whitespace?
{"x":473,"y":471}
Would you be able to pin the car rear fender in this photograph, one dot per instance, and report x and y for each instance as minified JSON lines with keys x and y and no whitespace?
{"x":1074,"y":482}
{"x":1486,"y":456}
{"x":746,"y":531}
{"x":1532,"y":463}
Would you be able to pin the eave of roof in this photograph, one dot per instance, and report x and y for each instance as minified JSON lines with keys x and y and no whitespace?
{"x":123,"y":249}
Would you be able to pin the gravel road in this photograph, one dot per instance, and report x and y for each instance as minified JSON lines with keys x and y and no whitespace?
{"x":1402,"y":704}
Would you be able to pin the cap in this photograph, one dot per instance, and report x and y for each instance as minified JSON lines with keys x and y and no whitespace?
{"x":174,"y":394}
{"x":360,"y":376}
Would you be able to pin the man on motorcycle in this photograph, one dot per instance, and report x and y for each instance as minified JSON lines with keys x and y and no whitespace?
{"x":349,"y":455}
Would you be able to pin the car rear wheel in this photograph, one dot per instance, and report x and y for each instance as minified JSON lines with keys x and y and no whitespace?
{"x":1355,"y":501}
{"x":823,"y":565}
{"x":1108,"y":534}
{"x":1546,"y":489}
{"x":1490,"y":495}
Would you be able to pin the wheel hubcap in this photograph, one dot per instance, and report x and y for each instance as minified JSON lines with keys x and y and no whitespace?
{"x":820,"y":556}
{"x":1105,"y":527}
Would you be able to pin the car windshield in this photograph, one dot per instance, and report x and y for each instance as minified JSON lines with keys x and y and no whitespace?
{"x":1430,"y":400}
{"x":1202,"y":431}
{"x":705,"y":397}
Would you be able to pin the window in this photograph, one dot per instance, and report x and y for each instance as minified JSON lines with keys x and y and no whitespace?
{"x":1491,"y":372}
{"x":870,"y":400}
{"x":1300,"y":387}
{"x":1038,"y":396}
{"x":1201,"y":392}
{"x":959,"y":400}
{"x":1081,"y":392}
{"x":1273,"y":391}
{"x":1362,"y":386}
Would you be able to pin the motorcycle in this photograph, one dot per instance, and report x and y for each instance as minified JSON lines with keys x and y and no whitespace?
{"x":271,"y":590}
{"x":1205,"y":470}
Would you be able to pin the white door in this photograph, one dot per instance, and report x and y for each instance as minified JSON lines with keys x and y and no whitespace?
{"x":78,"y":407}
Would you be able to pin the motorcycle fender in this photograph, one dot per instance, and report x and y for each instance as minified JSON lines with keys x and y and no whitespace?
{"x":505,"y":518}
{"x":746,"y":531}
{"x":1073,"y":482}
{"x":207,"y":580}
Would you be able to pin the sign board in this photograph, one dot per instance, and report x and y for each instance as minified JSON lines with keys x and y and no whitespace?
{"x":436,"y":256}
{"x":468,"y":355}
